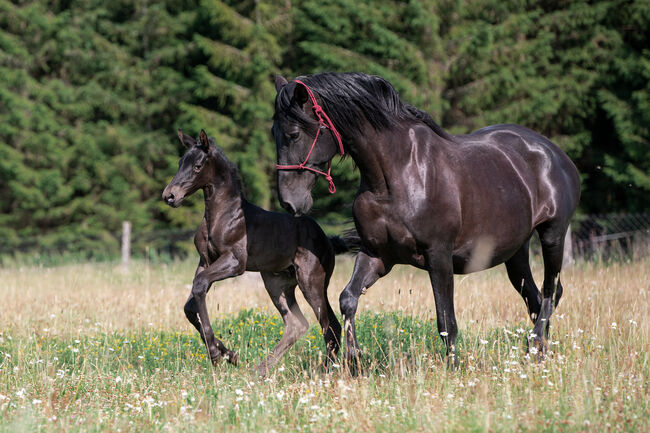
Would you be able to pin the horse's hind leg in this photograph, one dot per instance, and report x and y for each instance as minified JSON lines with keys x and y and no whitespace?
{"x":281,"y":288}
{"x":313,"y":279}
{"x":551,"y":236}
{"x":518,"y":267}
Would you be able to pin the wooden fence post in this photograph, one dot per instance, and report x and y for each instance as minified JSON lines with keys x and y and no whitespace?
{"x":126,"y":242}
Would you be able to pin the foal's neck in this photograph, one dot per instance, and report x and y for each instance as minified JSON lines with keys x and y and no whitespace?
{"x":222,"y":195}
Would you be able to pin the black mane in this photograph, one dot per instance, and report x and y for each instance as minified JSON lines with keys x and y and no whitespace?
{"x":350,"y":98}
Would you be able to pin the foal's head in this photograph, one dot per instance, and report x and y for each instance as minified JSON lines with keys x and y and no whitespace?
{"x":203,"y":164}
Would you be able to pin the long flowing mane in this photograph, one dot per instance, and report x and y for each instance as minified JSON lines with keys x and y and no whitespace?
{"x":352,"y":98}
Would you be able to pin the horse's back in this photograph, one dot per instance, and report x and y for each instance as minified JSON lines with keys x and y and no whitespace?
{"x":532,"y":159}
{"x":509,"y":180}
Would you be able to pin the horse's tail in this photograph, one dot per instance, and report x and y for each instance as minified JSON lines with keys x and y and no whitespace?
{"x":350,"y":242}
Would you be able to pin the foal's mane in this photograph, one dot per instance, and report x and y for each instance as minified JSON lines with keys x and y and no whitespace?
{"x":351,"y":98}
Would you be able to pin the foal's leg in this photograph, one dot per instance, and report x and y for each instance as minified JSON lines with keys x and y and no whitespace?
{"x":281,"y":287}
{"x":551,"y":236}
{"x":441,"y":274}
{"x":192,"y":314}
{"x":226,"y":266}
{"x":313,"y":279}
{"x":518,"y":267}
{"x":367,"y":270}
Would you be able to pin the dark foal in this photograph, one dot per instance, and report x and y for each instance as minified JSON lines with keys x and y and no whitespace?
{"x":237,"y":236}
{"x":444,"y":203}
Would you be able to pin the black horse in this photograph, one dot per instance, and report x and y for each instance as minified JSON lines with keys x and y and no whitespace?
{"x":445,"y":203}
{"x":236,"y":236}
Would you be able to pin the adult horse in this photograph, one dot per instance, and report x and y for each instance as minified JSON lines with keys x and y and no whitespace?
{"x":444,"y":203}
{"x":237,"y":236}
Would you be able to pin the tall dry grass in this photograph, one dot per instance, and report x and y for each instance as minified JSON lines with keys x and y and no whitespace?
{"x":60,"y":327}
{"x":67,"y":299}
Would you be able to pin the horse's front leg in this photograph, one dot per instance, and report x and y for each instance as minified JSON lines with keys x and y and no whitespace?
{"x":367,"y":270}
{"x":226,"y":266}
{"x":441,"y":274}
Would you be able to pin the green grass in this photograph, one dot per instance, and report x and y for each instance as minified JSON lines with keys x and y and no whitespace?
{"x":97,"y":347}
{"x":148,"y":380}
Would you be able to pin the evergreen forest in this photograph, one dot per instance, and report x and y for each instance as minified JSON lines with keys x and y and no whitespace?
{"x":92,"y":93}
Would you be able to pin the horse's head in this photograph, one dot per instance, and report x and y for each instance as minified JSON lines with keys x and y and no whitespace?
{"x":194,"y":169}
{"x":306,"y":141}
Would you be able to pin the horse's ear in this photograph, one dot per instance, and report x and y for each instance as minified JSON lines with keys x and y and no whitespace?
{"x":300,"y":95}
{"x":185,"y":139}
{"x":280,"y":82}
{"x":204,"y":141}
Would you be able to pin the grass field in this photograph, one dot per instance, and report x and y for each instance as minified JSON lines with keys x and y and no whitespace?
{"x":94,"y":347}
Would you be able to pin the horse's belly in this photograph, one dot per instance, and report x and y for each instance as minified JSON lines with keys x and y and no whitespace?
{"x":486,"y":251}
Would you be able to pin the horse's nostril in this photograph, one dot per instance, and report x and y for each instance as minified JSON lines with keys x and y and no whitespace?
{"x":169,"y":198}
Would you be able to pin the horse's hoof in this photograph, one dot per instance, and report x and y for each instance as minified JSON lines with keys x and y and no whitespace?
{"x":538,"y":349}
{"x":353,"y":364}
{"x":452,"y":362}
{"x":215,"y":359}
{"x":232,"y":358}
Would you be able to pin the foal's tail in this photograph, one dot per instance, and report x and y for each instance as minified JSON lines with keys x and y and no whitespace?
{"x":349,"y":243}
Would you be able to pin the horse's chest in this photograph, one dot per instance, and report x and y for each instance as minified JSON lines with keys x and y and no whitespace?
{"x":385,"y":232}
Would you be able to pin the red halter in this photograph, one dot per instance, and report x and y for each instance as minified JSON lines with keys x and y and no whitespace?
{"x":318,"y":111}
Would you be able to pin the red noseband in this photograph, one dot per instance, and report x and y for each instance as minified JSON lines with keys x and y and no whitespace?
{"x":324,"y":123}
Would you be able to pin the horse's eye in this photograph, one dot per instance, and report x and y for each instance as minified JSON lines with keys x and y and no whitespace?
{"x":197,"y":167}
{"x":293,"y":136}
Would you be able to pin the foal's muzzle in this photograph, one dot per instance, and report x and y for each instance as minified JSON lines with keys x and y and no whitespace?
{"x":173,"y":199}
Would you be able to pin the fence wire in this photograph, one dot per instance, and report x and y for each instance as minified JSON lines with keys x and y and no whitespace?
{"x":624,"y":235}
{"x":598,"y":236}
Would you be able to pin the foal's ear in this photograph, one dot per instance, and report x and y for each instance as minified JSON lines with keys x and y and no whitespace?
{"x":204,"y":144}
{"x":185,"y":139}
{"x":300,"y":95}
{"x":280,"y":82}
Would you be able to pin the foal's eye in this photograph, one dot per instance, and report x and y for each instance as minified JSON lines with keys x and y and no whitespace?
{"x":197,"y":167}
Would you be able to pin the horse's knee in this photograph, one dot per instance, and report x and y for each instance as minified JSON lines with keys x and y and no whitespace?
{"x":348,"y":303}
{"x":190,"y":308}
{"x":200,"y":288}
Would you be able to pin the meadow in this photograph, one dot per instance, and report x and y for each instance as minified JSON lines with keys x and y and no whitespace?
{"x":97,"y":347}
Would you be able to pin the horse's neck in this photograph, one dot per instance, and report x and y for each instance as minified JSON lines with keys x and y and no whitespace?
{"x":375,"y":154}
{"x":384,"y":156}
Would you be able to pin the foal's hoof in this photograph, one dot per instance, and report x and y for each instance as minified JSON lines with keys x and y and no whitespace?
{"x":262,"y":370}
{"x":232,"y":358}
